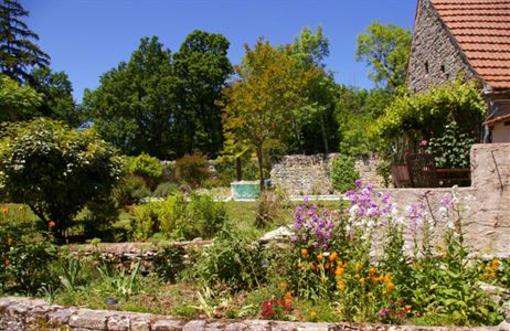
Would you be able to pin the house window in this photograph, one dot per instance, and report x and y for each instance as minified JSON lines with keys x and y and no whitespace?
{"x":426,"y":67}
{"x":443,"y":68}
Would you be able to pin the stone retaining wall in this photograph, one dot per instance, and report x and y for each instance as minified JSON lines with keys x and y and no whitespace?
{"x":310,"y":174}
{"x":21,"y":314}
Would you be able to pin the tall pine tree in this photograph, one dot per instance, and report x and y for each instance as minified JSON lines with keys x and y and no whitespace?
{"x":18,"y":52}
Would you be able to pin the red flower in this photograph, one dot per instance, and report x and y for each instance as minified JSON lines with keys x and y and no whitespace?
{"x":51,"y":224}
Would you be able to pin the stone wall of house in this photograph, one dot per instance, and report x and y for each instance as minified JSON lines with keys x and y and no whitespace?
{"x":486,"y":204}
{"x":435,"y":58}
{"x":310,"y":174}
{"x":20,"y":314}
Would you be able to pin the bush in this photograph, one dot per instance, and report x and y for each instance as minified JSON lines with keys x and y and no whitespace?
{"x":343,"y":173}
{"x":25,"y":256}
{"x":55,"y":170}
{"x":131,"y":190}
{"x":268,"y":205}
{"x":192,"y":169}
{"x":147,"y":167}
{"x":179,"y":219}
{"x":169,"y":262}
{"x":165,"y":189}
{"x":233,"y":260}
{"x":452,"y":149}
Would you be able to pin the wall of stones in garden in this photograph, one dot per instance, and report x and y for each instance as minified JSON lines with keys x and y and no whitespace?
{"x":485,"y":205}
{"x":127,"y":255}
{"x":434,"y":50}
{"x":20,"y":314}
{"x":310,"y":174}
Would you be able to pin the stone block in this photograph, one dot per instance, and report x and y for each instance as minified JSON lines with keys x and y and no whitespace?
{"x":90,"y":319}
{"x":167,"y":325}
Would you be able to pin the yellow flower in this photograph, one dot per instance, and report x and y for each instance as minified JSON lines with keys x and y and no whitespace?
{"x":304,"y":252}
{"x":312,"y":315}
{"x":284,"y":285}
{"x":333,"y":257}
{"x":320,"y":256}
{"x":372,"y":271}
{"x":359,"y":266}
{"x":341,"y":284}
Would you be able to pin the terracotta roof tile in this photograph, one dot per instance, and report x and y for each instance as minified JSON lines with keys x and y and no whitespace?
{"x":482,"y":30}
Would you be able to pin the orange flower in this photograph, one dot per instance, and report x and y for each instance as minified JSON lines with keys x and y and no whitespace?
{"x":372,"y":271}
{"x":320,"y":256}
{"x":51,"y":224}
{"x":359,"y":266}
{"x":5,"y":211}
{"x":341,"y":284}
{"x":339,"y":271}
{"x":333,"y":257}
{"x":304,"y":252}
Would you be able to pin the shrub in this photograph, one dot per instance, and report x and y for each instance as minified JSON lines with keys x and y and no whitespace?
{"x":131,"y":190}
{"x":233,"y":260}
{"x":25,"y":256}
{"x":147,"y":167}
{"x":165,"y":189}
{"x":452,"y":149}
{"x":268,"y":205}
{"x":169,"y":262}
{"x":55,"y":170}
{"x":179,"y":219}
{"x":192,"y":169}
{"x":343,"y":173}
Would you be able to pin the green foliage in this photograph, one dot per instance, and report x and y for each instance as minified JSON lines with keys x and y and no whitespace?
{"x":147,"y":167}
{"x":18,"y":52}
{"x":57,"y":92}
{"x":131,"y":190}
{"x":451,"y":150}
{"x":421,"y":115}
{"x":165,"y":189}
{"x":180,"y":219}
{"x":233,"y":260}
{"x":169,"y":262}
{"x":56,"y":171}
{"x":343,"y":173}
{"x":357,"y":111}
{"x":256,"y":116}
{"x":25,"y":255}
{"x":18,"y":102}
{"x":386,"y":48}
{"x":163,"y":103}
{"x":192,"y":169}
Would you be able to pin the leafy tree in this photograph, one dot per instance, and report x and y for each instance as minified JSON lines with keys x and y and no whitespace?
{"x":201,"y":67}
{"x":135,"y":105}
{"x":57,"y":94}
{"x":18,"y":52}
{"x":17,"y":102}
{"x":56,"y":171}
{"x":357,"y":111}
{"x":317,"y":118}
{"x":257,"y":115}
{"x":386,"y":48}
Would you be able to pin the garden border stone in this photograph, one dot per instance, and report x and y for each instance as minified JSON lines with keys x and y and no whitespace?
{"x":21,"y":313}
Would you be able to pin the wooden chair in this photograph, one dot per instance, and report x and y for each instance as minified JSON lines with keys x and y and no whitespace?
{"x":422,"y":170}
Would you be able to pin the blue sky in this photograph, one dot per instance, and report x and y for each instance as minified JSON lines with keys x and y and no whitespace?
{"x":86,"y":38}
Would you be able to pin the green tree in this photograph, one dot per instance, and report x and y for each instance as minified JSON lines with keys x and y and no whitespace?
{"x":55,"y":170}
{"x":201,"y":67}
{"x":135,"y":105}
{"x":386,"y":48}
{"x":18,"y":52}
{"x":317,"y":118}
{"x":257,"y":115}
{"x":17,"y":102}
{"x":57,"y":94}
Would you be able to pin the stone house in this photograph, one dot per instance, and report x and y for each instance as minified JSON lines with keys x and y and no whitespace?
{"x":471,"y":37}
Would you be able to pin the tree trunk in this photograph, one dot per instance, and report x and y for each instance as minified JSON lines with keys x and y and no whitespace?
{"x":260,"y":159}
{"x":239,"y":169}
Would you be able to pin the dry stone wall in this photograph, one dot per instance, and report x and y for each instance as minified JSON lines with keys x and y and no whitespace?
{"x":310,"y":174}
{"x":23,"y":314}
